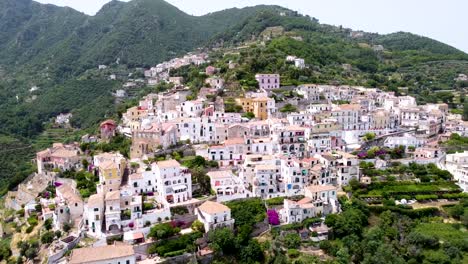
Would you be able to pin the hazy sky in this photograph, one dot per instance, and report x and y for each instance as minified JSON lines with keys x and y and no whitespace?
{"x":441,"y":20}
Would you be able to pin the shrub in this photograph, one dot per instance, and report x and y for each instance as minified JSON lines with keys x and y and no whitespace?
{"x":198,"y":226}
{"x":179,"y":210}
{"x":425,"y":197}
{"x":29,"y":229}
{"x":48,"y":224}
{"x":174,"y":253}
{"x":273,"y":217}
{"x":20,"y":212}
{"x":67,"y":227}
{"x":275,"y":201}
{"x":293,"y":253}
{"x":162,"y":231}
{"x":292,"y":240}
{"x":47,"y":237}
{"x":32,"y":220}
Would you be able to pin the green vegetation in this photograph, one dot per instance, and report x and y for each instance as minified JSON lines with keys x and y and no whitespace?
{"x":247,"y":212}
{"x":119,"y":143}
{"x":164,"y":230}
{"x":230,"y":106}
{"x":85,"y":181}
{"x":425,"y":173}
{"x":393,"y":236}
{"x":14,"y":162}
{"x":288,"y":108}
{"x":174,"y":247}
{"x":456,"y":143}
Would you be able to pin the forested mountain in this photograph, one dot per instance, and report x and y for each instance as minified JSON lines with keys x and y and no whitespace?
{"x":54,"y":48}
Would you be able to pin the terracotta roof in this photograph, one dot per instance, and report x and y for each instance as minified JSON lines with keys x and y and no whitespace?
{"x":97,"y":254}
{"x":304,"y":200}
{"x":168,"y":164}
{"x":321,"y":188}
{"x":266,"y":167}
{"x":210,"y":207}
{"x":136,"y":176}
{"x":95,"y":200}
{"x":294,"y":128}
{"x":234,"y":141}
{"x":138,"y":235}
{"x":114,"y":195}
{"x":107,"y":165}
{"x":108,"y":122}
{"x":68,"y":193}
{"x":220,"y":174}
{"x":350,"y":107}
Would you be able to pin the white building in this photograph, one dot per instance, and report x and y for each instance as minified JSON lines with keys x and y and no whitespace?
{"x":94,"y":214}
{"x":174,"y":182}
{"x":190,"y":108}
{"x":457,"y":164}
{"x":214,"y":215}
{"x":113,"y":254}
{"x":343,"y":165}
{"x":227,"y":186}
{"x":68,"y":206}
{"x":405,"y":140}
{"x":320,"y":200}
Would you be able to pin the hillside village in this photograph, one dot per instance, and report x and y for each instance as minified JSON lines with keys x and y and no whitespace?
{"x":192,"y":162}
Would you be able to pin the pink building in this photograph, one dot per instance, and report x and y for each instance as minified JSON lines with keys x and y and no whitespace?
{"x":268,"y":81}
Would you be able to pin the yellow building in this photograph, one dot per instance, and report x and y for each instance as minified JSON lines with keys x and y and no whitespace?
{"x":261,"y":107}
{"x":111,"y":174}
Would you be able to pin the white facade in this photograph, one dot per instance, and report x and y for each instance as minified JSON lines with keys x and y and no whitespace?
{"x":214,"y":215}
{"x":174,"y":182}
{"x":457,"y":164}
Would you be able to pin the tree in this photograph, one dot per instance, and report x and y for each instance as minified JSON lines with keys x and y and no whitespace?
{"x":464,"y":218}
{"x":252,"y":253}
{"x":48,"y":224}
{"x":331,"y":219}
{"x":288,"y":108}
{"x":198,"y":226}
{"x":465,"y":111}
{"x":67,"y":227}
{"x":249,"y":115}
{"x":385,"y":254}
{"x":47,"y":237}
{"x":342,"y":256}
{"x":223,"y":240}
{"x":351,"y":221}
{"x":292,"y":240}
{"x":369,"y":136}
{"x":162,"y":231}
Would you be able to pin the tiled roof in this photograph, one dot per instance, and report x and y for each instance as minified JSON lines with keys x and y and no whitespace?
{"x":321,"y":188}
{"x":99,"y":254}
{"x":168,"y":164}
{"x":210,"y":207}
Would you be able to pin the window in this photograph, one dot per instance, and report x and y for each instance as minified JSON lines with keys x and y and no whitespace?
{"x":96,"y":209}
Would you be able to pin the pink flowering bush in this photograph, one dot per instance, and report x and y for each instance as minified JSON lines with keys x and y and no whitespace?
{"x":273,"y":217}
